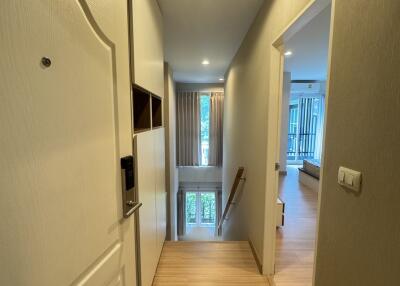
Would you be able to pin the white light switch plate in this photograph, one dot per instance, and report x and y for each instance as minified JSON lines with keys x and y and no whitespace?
{"x":349,"y":178}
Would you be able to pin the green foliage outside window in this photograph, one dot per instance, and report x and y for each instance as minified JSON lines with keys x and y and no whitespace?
{"x":204,"y":128}
{"x":204,"y":117}
{"x":207,"y":207}
{"x":200,"y":205}
{"x":190,"y":207}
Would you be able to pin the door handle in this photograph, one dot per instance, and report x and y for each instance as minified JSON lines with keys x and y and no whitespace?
{"x":134,"y":206}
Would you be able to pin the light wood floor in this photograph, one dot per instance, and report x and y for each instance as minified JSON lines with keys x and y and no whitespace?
{"x":296,"y":239}
{"x":200,"y":234}
{"x":195,"y":263}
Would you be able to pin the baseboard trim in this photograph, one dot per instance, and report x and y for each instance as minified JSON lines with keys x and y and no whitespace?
{"x":259,"y":265}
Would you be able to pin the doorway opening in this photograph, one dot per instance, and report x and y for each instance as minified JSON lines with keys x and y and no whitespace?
{"x":301,"y":55}
{"x":199,"y":206}
{"x":200,"y":214}
{"x":302,"y":112}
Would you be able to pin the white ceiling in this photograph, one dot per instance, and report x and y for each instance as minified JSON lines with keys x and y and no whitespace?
{"x":310,"y":49}
{"x":204,"y":29}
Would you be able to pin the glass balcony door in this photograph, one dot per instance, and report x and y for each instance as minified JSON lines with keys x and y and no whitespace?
{"x":306,"y":115}
{"x":200,"y":209}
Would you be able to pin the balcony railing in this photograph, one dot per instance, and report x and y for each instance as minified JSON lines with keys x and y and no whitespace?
{"x":301,"y":146}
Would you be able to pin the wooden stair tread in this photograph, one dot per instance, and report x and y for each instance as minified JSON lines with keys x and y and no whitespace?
{"x":208,"y":263}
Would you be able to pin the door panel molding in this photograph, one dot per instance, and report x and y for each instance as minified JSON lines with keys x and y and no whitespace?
{"x":106,"y":41}
{"x":105,"y":268}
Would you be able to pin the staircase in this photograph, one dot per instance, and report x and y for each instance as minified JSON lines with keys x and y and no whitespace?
{"x":190,"y":263}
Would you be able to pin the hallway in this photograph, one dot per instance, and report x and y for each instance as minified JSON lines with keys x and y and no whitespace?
{"x":208,"y":263}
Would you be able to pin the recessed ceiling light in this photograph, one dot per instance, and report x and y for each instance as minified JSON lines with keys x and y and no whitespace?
{"x":221,"y":79}
{"x":205,"y":62}
{"x":288,"y":53}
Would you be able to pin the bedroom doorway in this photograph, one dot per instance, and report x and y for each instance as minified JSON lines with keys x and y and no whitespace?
{"x":301,"y":129}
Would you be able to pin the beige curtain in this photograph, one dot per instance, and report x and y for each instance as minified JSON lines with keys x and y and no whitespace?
{"x":216,"y":129}
{"x":188,"y":128}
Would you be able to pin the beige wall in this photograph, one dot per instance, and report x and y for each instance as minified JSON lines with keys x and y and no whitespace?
{"x":359,"y":234}
{"x":245,"y":120}
{"x":148,"y":46}
{"x":171,"y":173}
{"x":200,"y":86}
{"x":200,"y":174}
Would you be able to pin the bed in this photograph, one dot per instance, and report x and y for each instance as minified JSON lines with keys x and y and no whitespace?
{"x":309,"y":173}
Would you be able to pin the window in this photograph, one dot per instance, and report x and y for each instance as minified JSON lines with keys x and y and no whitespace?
{"x":199,"y":125}
{"x":191,"y":207}
{"x":200,"y":209}
{"x":305,"y":128}
{"x":207,"y":216}
{"x":204,"y":128}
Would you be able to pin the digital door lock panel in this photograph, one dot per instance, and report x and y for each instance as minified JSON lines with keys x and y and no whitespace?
{"x":129,"y":198}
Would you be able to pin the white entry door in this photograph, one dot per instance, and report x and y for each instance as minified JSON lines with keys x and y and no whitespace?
{"x":63,"y":128}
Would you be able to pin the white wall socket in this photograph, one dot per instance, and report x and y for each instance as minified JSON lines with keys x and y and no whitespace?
{"x":349,"y":178}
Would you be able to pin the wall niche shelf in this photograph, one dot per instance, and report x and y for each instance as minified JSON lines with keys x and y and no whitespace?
{"x":156,"y":111}
{"x":147,"y":110}
{"x":141,"y":109}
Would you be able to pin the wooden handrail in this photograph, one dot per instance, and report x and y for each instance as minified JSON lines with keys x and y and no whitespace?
{"x":235,"y":185}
